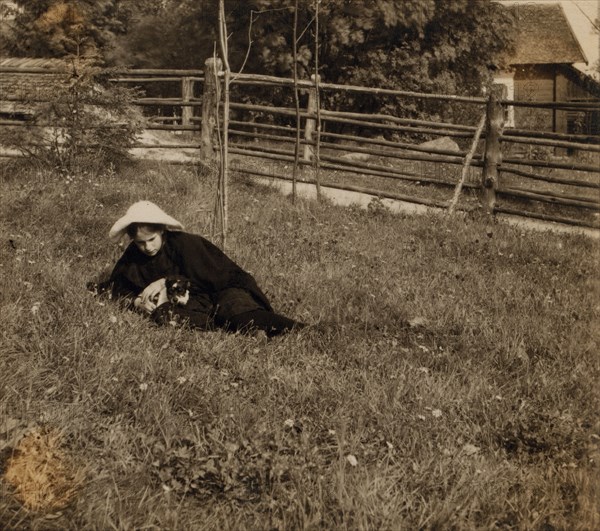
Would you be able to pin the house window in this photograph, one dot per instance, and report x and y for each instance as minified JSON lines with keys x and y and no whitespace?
{"x":507,"y":79}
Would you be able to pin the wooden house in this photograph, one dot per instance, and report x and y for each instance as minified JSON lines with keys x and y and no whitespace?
{"x":27,"y":81}
{"x":541,"y":69}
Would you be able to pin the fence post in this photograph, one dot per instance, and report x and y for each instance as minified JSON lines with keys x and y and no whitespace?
{"x":187,"y":91}
{"x":311,"y":123}
{"x":210,"y":105}
{"x":493,"y":152}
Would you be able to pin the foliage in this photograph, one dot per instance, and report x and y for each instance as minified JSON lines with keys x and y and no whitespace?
{"x":181,"y":34}
{"x":416,"y":45}
{"x":88,"y":122}
{"x":55,"y":28}
{"x":410,"y":44}
{"x":456,"y":387}
{"x":429,"y":46}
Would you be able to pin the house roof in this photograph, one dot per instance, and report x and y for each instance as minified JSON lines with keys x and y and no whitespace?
{"x":544,"y":36}
{"x":24,"y":81}
{"x":32,"y":63}
{"x":586,"y":82}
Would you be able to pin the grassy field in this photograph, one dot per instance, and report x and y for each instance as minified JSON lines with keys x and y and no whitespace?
{"x":456,"y":388}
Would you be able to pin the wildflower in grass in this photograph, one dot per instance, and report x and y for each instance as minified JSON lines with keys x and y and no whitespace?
{"x":470,"y":449}
{"x":35,"y":308}
{"x":143,"y":386}
{"x":436,"y":413}
{"x":417,"y":322}
{"x":352,"y":460}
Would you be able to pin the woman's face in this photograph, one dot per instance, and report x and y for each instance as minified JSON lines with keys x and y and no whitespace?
{"x":148,"y":241}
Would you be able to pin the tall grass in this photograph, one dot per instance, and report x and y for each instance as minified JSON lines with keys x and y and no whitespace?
{"x":455,"y":386}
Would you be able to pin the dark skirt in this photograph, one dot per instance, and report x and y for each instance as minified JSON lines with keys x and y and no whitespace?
{"x":205,"y":311}
{"x":234,"y":301}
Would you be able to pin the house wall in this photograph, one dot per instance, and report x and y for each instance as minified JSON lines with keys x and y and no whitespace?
{"x":582,"y":122}
{"x":548,"y":83}
{"x":562,"y":89}
{"x":539,"y":83}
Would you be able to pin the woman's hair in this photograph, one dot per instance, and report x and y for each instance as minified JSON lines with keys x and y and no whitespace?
{"x":133,"y":228}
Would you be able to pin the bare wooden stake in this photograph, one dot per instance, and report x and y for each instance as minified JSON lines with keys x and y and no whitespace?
{"x":296,"y":101}
{"x":317,"y":79}
{"x":210,"y":106}
{"x":224,"y":166}
{"x":310,"y":124}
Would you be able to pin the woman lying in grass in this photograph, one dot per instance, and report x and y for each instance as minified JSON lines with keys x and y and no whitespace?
{"x":221,"y":294}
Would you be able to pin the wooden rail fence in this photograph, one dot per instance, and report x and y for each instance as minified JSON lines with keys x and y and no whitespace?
{"x":572,"y":184}
{"x":504,"y":183}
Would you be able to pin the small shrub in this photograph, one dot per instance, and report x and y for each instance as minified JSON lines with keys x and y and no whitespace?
{"x":377,"y":207}
{"x":87,"y":125}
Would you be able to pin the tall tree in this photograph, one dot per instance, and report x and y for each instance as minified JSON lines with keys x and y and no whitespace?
{"x":56,"y":28}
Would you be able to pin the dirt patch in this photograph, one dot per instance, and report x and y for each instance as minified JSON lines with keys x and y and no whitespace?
{"x":162,"y":152}
{"x":41,"y":473}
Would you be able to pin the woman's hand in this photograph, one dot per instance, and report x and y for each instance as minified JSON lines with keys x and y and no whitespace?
{"x":152,"y":295}
{"x":146,"y":307}
{"x":162,"y":297}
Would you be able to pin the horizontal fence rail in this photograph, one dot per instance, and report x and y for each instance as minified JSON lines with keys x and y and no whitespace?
{"x":258,"y":80}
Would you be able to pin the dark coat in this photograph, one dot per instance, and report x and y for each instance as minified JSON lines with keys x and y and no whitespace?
{"x":210,"y":271}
